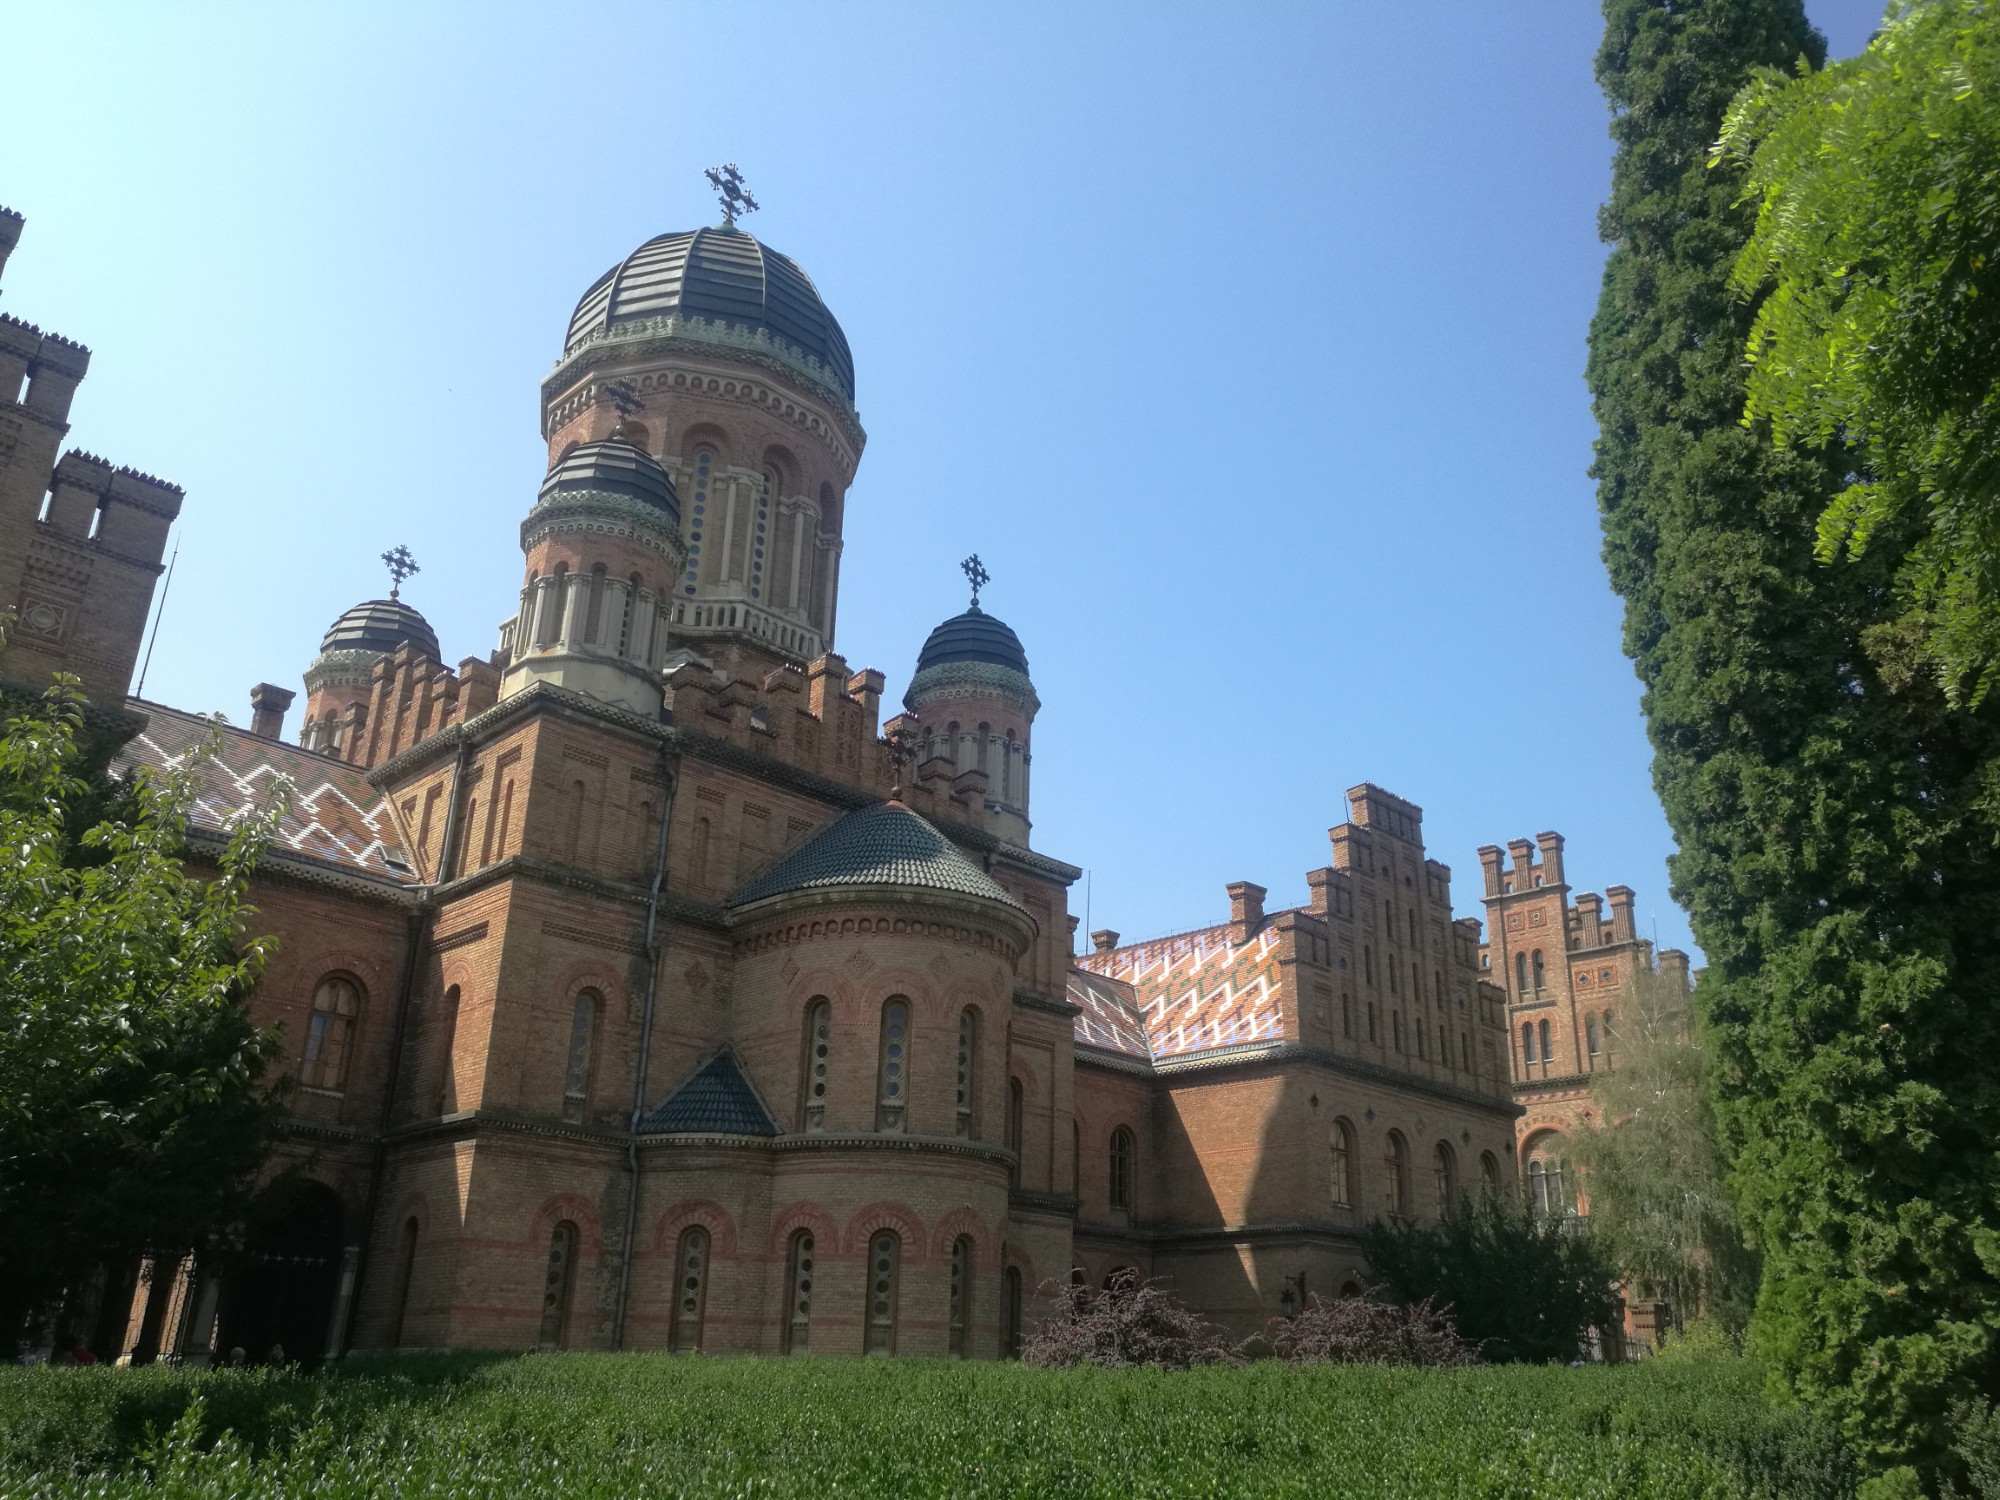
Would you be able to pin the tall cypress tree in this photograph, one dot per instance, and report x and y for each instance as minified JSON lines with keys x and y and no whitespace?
{"x":1837,"y":822}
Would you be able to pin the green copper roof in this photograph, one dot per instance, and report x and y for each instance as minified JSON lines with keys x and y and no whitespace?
{"x":883,"y":845}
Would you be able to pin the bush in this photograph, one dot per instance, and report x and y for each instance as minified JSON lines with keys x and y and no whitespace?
{"x":1520,"y":1287}
{"x":1366,"y":1331}
{"x":1131,"y":1322}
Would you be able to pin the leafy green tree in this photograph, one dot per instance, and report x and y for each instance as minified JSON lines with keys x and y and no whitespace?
{"x":132,"y":1118}
{"x":1653,"y":1171}
{"x":1520,"y":1287}
{"x":1836,"y":818}
{"x":1878,"y":236}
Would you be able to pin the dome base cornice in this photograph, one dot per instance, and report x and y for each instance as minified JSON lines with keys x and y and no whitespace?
{"x":972,"y":679}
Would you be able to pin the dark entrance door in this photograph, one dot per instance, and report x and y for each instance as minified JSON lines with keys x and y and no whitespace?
{"x":280,"y":1290}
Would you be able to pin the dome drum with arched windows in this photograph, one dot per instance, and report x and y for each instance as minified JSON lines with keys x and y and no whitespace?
{"x":340,"y":676}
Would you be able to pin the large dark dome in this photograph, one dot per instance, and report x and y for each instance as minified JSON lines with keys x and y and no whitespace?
{"x":973,"y":636}
{"x":380,"y":625}
{"x":725,"y":276}
{"x":613,"y":465}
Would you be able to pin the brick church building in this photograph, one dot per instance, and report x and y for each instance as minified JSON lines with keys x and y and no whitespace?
{"x":645,"y":987}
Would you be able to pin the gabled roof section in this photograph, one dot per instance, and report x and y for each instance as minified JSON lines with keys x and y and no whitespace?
{"x":717,"y":1100}
{"x":1108,"y":1016}
{"x":882,"y":845}
{"x":336,"y":817}
{"x":1190,"y":993}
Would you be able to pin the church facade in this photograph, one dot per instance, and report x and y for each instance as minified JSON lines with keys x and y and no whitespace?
{"x":647,"y":986}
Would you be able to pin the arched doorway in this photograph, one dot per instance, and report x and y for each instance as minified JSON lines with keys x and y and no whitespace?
{"x":279,"y":1289}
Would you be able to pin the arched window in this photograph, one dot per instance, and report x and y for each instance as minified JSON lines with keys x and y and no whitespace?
{"x":1346,"y":1014}
{"x":1121,"y":1169}
{"x":593,"y":615}
{"x":445,"y":1096}
{"x":1542,"y":1036}
{"x":1528,"y":1043}
{"x":883,"y":1253}
{"x":1538,"y":1188}
{"x":799,"y":1283}
{"x":979,"y":749}
{"x":1541,"y":975}
{"x":1341,"y":1140}
{"x":582,"y":1034}
{"x":961,"y":1294}
{"x":690,"y":1294}
{"x":330,"y":1032}
{"x":895,"y":1070}
{"x":1423,"y":1037}
{"x":1590,"y":1034}
{"x":1548,"y":1194}
{"x":1396,"y":1028}
{"x":1444,"y":1169}
{"x":1374,"y":1034}
{"x":812,"y":1069}
{"x":1015,"y":1109}
{"x":556,"y":1286}
{"x":1521,"y":972}
{"x":1608,"y":1033}
{"x":968,"y":1056}
{"x":406,"y":1266}
{"x":1367,"y":963}
{"x":1489,"y":1174}
{"x":1396,"y":1165}
{"x":1010,"y":1313}
{"x":1007,"y":768}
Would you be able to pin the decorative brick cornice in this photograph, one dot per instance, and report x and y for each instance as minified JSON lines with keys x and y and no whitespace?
{"x":1035,"y":1000}
{"x":795,"y":917}
{"x":603,"y":513}
{"x":1056,"y":1205}
{"x":972,"y":679}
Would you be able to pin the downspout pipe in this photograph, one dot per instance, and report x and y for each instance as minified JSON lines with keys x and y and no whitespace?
{"x":420,"y":928}
{"x":670,"y":774}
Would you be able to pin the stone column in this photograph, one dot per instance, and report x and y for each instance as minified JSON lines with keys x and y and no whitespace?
{"x":639,"y":645}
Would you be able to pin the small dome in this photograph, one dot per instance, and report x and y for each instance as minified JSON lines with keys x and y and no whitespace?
{"x":380,"y":625}
{"x":613,"y":465}
{"x":724,"y":276}
{"x":882,"y":845}
{"x":974,"y":636}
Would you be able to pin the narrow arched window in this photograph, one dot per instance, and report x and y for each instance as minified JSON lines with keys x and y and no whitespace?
{"x":1121,"y":1169}
{"x":1444,"y":1169}
{"x":812,"y":1069}
{"x":1541,"y":974}
{"x":1521,"y":972}
{"x":1528,"y":1043}
{"x":690,"y":1293}
{"x":1608,"y":1033}
{"x":1590,"y":1034}
{"x":557,"y":1284}
{"x":1015,"y":1108}
{"x":1489,"y":1174}
{"x":582,"y":1034}
{"x":1423,"y":1038}
{"x":406,"y":1268}
{"x":1542,"y":1036}
{"x":799,"y":1286}
{"x":1007,"y":768}
{"x":895,"y":1069}
{"x":593,"y":617}
{"x":884,"y":1251}
{"x":330,"y":1033}
{"x":1396,"y":1028}
{"x":445,"y":1095}
{"x":1010,"y":1313}
{"x":1342,"y":1144}
{"x":968,"y":1045}
{"x":1538,"y":1188}
{"x":1396,"y":1165}
{"x":961,"y":1294}
{"x":1346,"y":1014}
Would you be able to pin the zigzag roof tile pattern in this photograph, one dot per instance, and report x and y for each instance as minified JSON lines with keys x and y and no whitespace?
{"x":336,"y":817}
{"x":1191,"y":993}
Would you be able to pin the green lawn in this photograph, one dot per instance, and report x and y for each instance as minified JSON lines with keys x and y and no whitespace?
{"x":611,"y":1425}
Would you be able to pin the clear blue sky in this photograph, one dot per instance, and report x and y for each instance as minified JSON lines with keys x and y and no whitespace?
{"x":1245,"y":343}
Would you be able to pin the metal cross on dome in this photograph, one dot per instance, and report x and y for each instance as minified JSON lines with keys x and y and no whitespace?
{"x":736,"y":199}
{"x":975,"y":574}
{"x":401,"y":565}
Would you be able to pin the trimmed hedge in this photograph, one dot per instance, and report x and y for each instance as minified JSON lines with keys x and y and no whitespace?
{"x":612,"y":1425}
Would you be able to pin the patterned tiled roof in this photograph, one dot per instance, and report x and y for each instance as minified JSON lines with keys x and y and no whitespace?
{"x":717,"y":1100}
{"x":335,"y":817}
{"x":1194,"y":992}
{"x":1108,"y":1015}
{"x":882,"y":845}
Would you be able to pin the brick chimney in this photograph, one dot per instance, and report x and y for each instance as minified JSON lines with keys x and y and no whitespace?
{"x":268,"y":704}
{"x":1674,"y":968}
{"x":1552,"y":857}
{"x":1620,"y":899}
{"x":1104,"y":940}
{"x":1246,"y":910}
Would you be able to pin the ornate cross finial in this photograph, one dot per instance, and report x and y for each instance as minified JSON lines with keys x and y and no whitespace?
{"x":401,"y":565}
{"x":736,"y":199}
{"x":975,"y":574}
{"x":621,"y":395}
